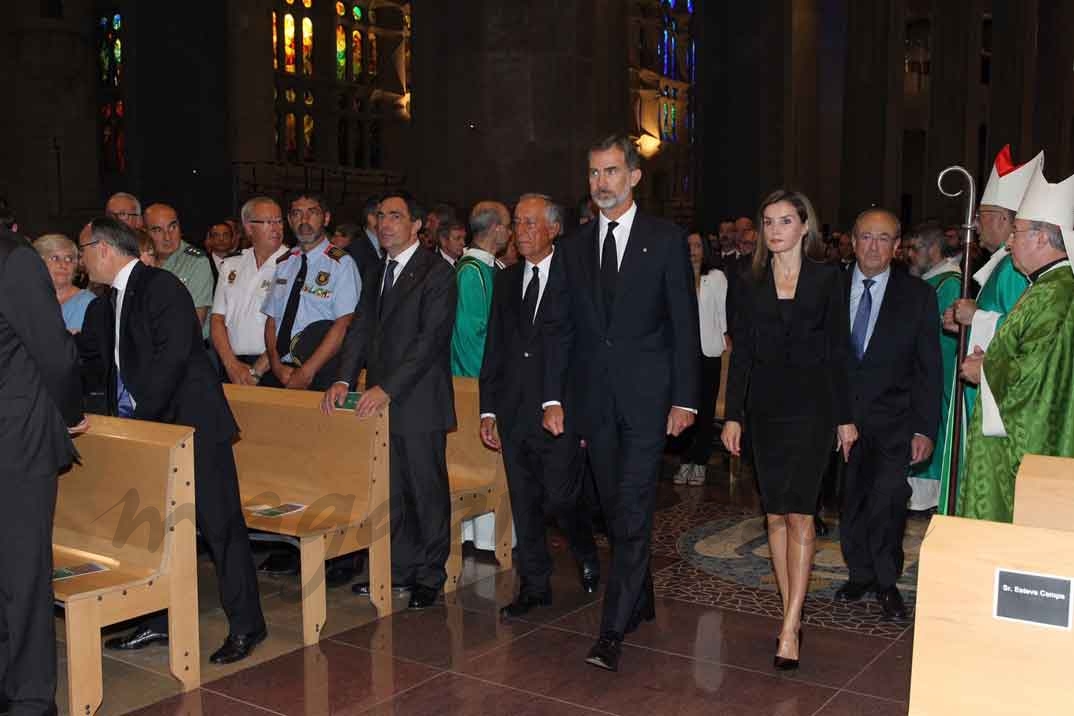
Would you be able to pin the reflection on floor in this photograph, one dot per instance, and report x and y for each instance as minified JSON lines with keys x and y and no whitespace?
{"x":709,"y":651}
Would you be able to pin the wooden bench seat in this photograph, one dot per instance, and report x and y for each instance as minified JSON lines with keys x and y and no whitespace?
{"x":337,"y":466}
{"x":128,"y":507}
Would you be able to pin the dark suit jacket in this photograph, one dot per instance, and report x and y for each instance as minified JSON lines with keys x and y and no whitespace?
{"x":794,"y":369}
{"x":405,"y":345}
{"x":363,"y":253}
{"x":164,"y":363}
{"x":646,"y":360}
{"x":896,"y":387}
{"x":512,"y":370}
{"x":40,"y":393}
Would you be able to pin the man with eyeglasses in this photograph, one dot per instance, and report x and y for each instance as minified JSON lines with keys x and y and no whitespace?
{"x":237,"y":325}
{"x":1025,"y":377}
{"x":310,"y":303}
{"x":187,"y":263}
{"x":125,"y":207}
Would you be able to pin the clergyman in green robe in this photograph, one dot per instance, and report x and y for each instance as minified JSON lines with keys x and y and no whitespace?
{"x":1026,"y":404}
{"x":474,"y":273}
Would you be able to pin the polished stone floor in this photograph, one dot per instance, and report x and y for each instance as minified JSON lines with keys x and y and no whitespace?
{"x":702,"y":655}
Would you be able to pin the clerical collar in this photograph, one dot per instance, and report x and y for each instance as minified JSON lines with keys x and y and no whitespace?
{"x":1035,"y":276}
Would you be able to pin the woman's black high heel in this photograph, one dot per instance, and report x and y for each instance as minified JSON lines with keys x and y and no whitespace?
{"x":784,"y":664}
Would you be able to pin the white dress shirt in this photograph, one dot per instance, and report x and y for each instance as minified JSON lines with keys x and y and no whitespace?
{"x":120,"y":284}
{"x":400,"y":263}
{"x":447,"y":258}
{"x":240,"y":294}
{"x":621,"y":233}
{"x":857,"y":288}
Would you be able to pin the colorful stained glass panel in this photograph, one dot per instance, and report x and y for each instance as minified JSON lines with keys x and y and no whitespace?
{"x":372,"y":54}
{"x":356,"y":54}
{"x":307,"y":47}
{"x":289,"y":43}
{"x":307,"y":138}
{"x":341,"y":53}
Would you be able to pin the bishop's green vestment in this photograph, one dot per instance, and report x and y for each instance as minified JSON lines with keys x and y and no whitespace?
{"x":474,"y":277}
{"x":1029,"y":367}
{"x":947,"y":281}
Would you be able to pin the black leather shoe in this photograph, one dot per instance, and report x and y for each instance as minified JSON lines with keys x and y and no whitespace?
{"x":422,"y":597}
{"x":140,"y":638}
{"x":280,"y":564}
{"x":524,"y":603}
{"x":820,"y":526}
{"x":783,"y":663}
{"x":891,"y":603}
{"x":853,"y":591}
{"x":605,"y":653}
{"x":362,"y":589}
{"x":237,"y":647}
{"x":589,"y":575}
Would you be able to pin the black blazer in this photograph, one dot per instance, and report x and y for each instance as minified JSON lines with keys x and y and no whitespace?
{"x":644,"y":362}
{"x":512,"y":370}
{"x":40,"y":394}
{"x":164,"y":363}
{"x":405,"y":345}
{"x":897,"y":386}
{"x":363,"y":253}
{"x":794,"y":369}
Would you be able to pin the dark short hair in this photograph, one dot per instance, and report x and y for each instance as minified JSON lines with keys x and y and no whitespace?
{"x":624,"y":144}
{"x":370,"y":205}
{"x":312,"y":196}
{"x":708,"y":253}
{"x":412,"y":205}
{"x":117,"y":235}
{"x":443,"y":232}
{"x":351,"y":231}
{"x":929,"y":233}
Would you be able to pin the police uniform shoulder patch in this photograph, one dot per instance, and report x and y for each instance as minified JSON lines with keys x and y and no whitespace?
{"x":193,"y":251}
{"x":336,"y":253}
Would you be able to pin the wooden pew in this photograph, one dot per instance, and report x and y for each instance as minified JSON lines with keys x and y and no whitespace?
{"x":1044,"y":492}
{"x":289,"y":452}
{"x":129,"y":507}
{"x":477,"y":480}
{"x":968,"y":661}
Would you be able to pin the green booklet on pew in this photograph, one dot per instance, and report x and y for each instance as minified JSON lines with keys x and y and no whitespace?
{"x":351,"y":401}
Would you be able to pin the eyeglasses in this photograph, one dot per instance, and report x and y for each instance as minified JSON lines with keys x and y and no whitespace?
{"x":298,"y":214}
{"x":124,"y":215}
{"x":89,"y":243}
{"x":66,"y":259}
{"x":270,"y":222}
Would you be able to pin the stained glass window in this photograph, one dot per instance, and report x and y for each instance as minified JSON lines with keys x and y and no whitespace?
{"x":290,"y":2}
{"x":275,"y":44}
{"x":341,"y":53}
{"x":307,"y":98}
{"x":372,"y":52}
{"x":356,"y":53}
{"x":112,"y":135}
{"x":307,"y":137}
{"x":693,"y":61}
{"x":341,"y":9}
{"x":664,"y":52}
{"x":356,"y":12}
{"x":307,"y":4}
{"x":674,"y":123}
{"x":290,"y":138}
{"x":307,"y":47}
{"x":289,"y":95}
{"x":289,"y":43}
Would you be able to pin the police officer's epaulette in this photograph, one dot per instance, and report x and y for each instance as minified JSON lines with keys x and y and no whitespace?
{"x":193,"y":251}
{"x":336,"y":253}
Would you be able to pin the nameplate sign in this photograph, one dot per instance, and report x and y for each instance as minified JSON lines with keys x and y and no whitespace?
{"x":1034,"y":598}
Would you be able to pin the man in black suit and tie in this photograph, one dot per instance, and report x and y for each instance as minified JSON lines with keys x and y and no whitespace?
{"x":160,"y":371}
{"x":542,"y":470}
{"x":621,"y":312}
{"x":895,"y":381}
{"x":401,"y":335}
{"x":40,"y":407}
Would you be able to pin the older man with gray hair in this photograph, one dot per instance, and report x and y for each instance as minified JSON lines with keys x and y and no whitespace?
{"x":125,"y":207}
{"x":474,"y":273}
{"x":543,"y":472}
{"x":237,"y":325}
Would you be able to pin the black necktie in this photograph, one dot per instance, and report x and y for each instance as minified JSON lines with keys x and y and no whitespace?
{"x":609,"y":270}
{"x":283,"y":335}
{"x":389,"y":280}
{"x":529,"y":298}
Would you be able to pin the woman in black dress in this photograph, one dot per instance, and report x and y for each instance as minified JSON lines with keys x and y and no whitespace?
{"x":788,"y":379}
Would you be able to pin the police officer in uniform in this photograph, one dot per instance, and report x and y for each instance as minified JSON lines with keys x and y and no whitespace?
{"x":310,"y":303}
{"x":188,"y":263}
